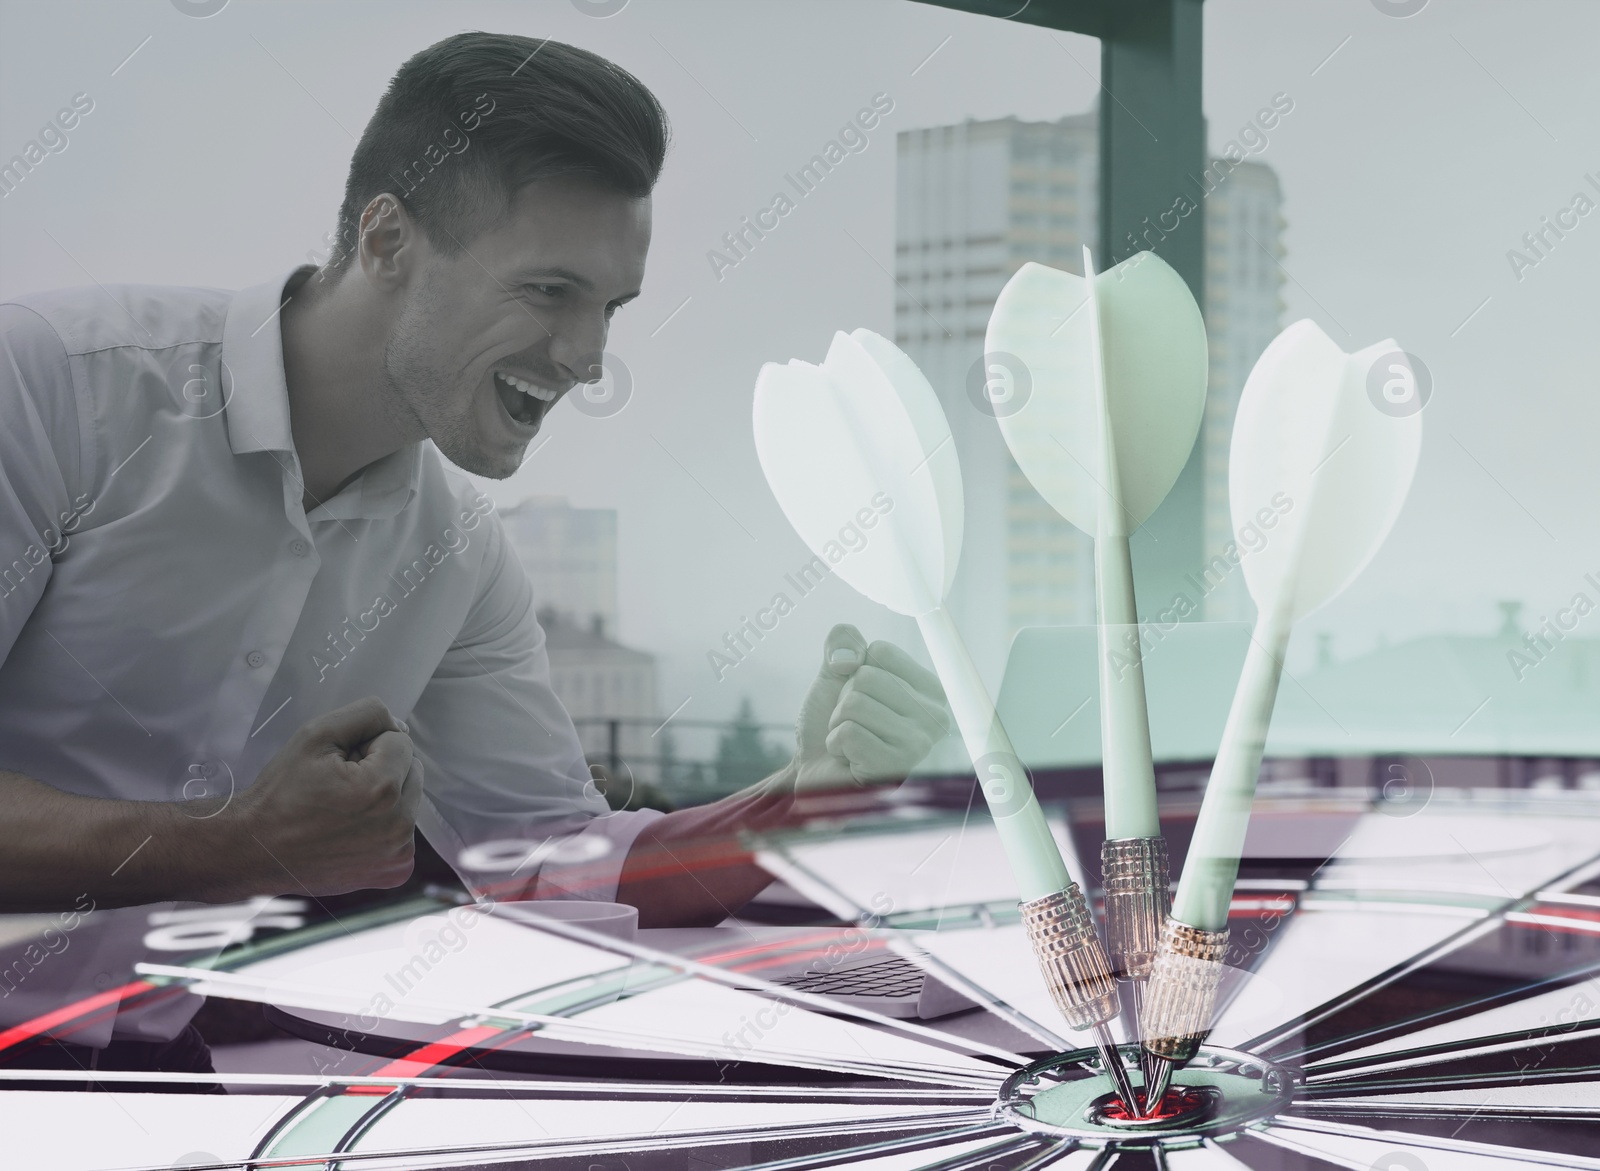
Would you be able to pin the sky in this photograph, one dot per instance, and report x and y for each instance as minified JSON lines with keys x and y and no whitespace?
{"x":1418,"y":153}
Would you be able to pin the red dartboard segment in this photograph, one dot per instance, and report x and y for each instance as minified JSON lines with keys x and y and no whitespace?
{"x":89,"y":1005}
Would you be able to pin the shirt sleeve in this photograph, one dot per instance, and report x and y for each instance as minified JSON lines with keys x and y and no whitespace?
{"x":40,"y":461}
{"x":509,"y":799}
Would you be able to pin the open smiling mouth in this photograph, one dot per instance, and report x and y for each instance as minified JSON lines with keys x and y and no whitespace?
{"x":524,"y":401}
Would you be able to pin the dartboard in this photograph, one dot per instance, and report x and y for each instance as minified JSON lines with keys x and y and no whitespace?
{"x":1412,"y":986}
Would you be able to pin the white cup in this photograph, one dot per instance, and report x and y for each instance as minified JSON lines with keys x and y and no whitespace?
{"x":618,"y":920}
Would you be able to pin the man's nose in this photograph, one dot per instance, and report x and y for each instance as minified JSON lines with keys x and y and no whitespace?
{"x":579,"y":345}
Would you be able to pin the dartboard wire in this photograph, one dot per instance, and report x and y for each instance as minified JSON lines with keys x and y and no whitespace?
{"x":1454,"y":1013}
{"x":1562,"y":1076}
{"x":1328,"y":1158}
{"x":577,"y":1030}
{"x":1429,"y":1142}
{"x":748,"y":982}
{"x":771,"y":853}
{"x":1466,"y":936}
{"x":1051,"y":1153}
{"x":984,"y":1157}
{"x":401,"y":1094}
{"x":1508,"y":917}
{"x":1336,"y":1067}
{"x":580,"y":1032}
{"x":1104,"y":1159}
{"x":370,"y":1118}
{"x":1375,"y":1102}
{"x":482,"y":1087}
{"x":1442,"y":1053}
{"x":1010,"y":1143}
{"x":381,"y":1108}
{"x":1283,"y":1032}
{"x":1449,"y":1110}
{"x":1221,"y":1151}
{"x":916,"y":1120}
{"x":946,"y":974}
{"x":817,"y":888}
{"x":952,"y":1128}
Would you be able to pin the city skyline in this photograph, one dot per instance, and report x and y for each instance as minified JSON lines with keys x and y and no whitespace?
{"x":1396,"y":227}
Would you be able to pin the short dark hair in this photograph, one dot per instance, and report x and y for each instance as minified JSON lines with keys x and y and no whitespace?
{"x":468,"y":121}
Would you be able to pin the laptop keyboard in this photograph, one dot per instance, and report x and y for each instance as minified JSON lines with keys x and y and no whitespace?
{"x":892,"y":977}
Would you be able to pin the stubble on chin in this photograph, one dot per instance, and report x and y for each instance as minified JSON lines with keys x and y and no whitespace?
{"x":415,"y":393}
{"x":459,"y":443}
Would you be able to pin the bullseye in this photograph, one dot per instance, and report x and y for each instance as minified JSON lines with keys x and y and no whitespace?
{"x":1180,"y":1103}
{"x":1218,"y":1093}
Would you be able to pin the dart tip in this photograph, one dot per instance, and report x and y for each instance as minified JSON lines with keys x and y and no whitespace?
{"x":1114,"y":1067}
{"x":1157,"y":1080}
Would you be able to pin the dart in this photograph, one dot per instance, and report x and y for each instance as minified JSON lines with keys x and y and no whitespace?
{"x":861,"y":437}
{"x":1313,"y":440}
{"x":1116,"y":365}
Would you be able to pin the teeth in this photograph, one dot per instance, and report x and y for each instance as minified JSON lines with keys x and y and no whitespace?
{"x":543,"y":394}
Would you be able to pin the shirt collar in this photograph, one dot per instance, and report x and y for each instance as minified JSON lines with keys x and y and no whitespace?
{"x":256,"y":399}
{"x":255,"y":389}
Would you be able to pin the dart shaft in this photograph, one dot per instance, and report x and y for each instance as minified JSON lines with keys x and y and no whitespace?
{"x":1032,"y":850}
{"x":1129,"y":775}
{"x":1206,"y":887}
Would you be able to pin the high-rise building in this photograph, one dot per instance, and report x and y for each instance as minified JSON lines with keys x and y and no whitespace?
{"x":570,"y":555}
{"x":974,"y":202}
{"x":1244,"y":310}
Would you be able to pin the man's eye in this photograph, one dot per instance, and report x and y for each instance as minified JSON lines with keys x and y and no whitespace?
{"x":548,"y":290}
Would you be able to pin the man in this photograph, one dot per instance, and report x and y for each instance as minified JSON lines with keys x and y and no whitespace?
{"x":255,"y":631}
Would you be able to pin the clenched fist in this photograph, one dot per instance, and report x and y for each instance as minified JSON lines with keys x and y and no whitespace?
{"x":872,"y":714}
{"x":334,"y":810}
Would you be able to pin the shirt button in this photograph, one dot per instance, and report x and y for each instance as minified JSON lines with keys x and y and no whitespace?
{"x":255,"y":658}
{"x":298,"y":547}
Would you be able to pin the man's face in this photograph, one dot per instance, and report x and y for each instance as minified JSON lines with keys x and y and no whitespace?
{"x":529,"y":299}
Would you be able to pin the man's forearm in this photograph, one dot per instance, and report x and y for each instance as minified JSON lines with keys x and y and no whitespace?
{"x":687,"y":869}
{"x":56,"y":847}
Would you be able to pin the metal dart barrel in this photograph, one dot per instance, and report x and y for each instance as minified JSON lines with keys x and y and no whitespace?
{"x":1138,"y":896}
{"x":1179,"y":1001}
{"x":1137,"y":901}
{"x":1078,"y":972}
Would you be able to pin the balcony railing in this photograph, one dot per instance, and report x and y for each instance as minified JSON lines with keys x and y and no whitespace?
{"x":682,"y":757}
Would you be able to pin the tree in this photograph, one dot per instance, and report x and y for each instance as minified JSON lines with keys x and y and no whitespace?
{"x":742,"y":756}
{"x":669,"y":763}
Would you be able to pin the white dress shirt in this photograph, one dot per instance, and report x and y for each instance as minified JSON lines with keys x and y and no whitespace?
{"x":170,"y":614}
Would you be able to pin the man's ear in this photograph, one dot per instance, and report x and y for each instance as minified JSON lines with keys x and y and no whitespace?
{"x":389,"y":242}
